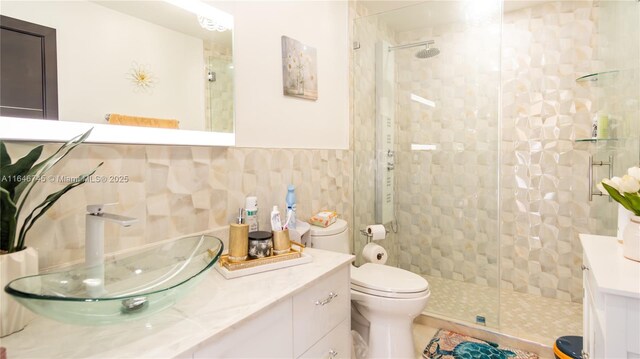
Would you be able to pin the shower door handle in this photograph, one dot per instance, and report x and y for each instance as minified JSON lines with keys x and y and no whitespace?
{"x":592,"y":164}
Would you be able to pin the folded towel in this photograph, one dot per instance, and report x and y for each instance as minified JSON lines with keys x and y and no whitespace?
{"x":116,"y":119}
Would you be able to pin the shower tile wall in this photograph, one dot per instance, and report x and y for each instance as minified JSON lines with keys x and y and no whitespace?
{"x":219,"y":93}
{"x":448,"y":206}
{"x":544,"y":181}
{"x":175,"y":191}
{"x":618,"y":96}
{"x":367,"y":31}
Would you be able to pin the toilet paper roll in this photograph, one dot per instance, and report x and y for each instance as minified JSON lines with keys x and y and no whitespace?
{"x":374,"y":253}
{"x":377,"y":232}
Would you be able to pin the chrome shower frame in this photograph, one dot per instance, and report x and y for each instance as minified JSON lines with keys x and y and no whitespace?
{"x":415,"y":44}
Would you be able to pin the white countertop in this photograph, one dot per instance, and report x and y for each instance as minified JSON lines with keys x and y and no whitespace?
{"x":613,"y":272}
{"x":208,"y":310}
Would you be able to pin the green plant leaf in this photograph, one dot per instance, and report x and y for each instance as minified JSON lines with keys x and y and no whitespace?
{"x":15,"y":173}
{"x":43,"y":207}
{"x":5,"y":159}
{"x":7,"y":221}
{"x":45,"y":165}
{"x":624,"y":201}
{"x":634,"y":201}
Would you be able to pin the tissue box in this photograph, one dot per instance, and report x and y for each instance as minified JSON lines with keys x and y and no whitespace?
{"x":324,"y":219}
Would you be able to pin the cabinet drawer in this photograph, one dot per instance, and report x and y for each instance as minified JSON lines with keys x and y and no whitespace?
{"x":320,"y":308}
{"x":336,"y":344}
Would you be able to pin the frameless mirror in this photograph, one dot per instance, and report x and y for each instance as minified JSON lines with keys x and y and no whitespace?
{"x":166,"y":63}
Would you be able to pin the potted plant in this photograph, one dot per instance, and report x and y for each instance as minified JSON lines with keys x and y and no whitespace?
{"x":17,"y":180}
{"x":626,"y":191}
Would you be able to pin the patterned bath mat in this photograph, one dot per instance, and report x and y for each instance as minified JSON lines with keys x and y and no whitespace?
{"x":450,"y":345}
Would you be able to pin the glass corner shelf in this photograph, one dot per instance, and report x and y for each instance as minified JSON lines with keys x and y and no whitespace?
{"x":596,"y":77}
{"x":590,"y":139}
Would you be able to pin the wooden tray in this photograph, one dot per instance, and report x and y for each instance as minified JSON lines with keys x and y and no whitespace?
{"x":231,"y":270}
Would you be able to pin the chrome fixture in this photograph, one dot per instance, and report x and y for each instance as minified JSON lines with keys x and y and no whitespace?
{"x":94,"y":245}
{"x":425,"y":53}
{"x":133,"y":305}
{"x":593,"y":163}
{"x":369,"y":235}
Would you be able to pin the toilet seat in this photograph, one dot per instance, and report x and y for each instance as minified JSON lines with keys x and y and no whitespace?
{"x":390,"y":295}
{"x":386,"y":281}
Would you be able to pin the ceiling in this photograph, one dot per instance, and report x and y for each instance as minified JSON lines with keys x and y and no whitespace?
{"x":169,"y":16}
{"x":407,"y":15}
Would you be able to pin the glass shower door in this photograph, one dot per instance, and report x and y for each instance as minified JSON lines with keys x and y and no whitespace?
{"x":427,"y":83}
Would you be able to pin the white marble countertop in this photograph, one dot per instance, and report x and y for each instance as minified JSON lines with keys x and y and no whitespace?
{"x":613,"y":272}
{"x":208,"y":310}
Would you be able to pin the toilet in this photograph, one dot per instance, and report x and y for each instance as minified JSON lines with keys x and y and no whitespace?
{"x":384,"y":299}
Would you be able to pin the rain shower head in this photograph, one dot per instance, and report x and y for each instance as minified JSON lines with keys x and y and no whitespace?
{"x":427,"y":52}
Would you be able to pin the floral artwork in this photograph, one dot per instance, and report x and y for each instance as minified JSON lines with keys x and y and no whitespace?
{"x":142,"y":78}
{"x":299,"y":69}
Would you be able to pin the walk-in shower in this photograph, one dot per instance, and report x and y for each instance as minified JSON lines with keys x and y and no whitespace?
{"x":428,"y":146}
{"x":459,"y":149}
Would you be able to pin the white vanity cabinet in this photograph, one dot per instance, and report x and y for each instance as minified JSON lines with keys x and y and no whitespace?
{"x":611,"y":300}
{"x":312,"y":323}
{"x":295,"y":312}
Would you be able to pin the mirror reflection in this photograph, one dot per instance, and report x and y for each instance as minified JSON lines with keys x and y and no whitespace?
{"x":144,"y":63}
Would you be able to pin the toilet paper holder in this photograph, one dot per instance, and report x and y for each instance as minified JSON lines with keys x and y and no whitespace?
{"x":368,"y":235}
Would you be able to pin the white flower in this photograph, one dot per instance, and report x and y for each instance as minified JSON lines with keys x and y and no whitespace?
{"x":616,"y":183}
{"x":634,"y":172}
{"x":629,"y":184}
{"x":610,"y":183}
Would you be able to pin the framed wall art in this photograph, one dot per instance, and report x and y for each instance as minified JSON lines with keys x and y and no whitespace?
{"x":299,"y":69}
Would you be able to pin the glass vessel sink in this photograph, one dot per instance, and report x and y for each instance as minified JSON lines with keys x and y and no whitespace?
{"x":128,"y":287}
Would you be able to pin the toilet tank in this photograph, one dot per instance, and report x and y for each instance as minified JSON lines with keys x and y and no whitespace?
{"x":333,"y":238}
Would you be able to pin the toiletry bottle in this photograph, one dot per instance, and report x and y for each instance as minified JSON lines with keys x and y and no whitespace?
{"x":603,"y":125}
{"x":276,"y":222}
{"x":291,"y":207}
{"x":251,"y":213}
{"x":238,"y":239}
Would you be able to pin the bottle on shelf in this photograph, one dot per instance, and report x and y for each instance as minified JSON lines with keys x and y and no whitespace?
{"x":603,"y":125}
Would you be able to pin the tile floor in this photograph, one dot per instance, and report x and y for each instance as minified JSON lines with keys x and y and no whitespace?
{"x":525,"y":316}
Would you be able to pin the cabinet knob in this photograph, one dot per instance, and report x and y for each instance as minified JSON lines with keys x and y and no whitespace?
{"x":584,"y":267}
{"x":584,"y":354}
{"x":326,"y":300}
{"x":332,"y":353}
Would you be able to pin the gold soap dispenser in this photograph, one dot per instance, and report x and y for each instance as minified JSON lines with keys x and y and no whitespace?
{"x":238,"y":239}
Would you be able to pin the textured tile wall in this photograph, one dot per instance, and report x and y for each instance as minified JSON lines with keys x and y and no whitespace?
{"x":175,"y":191}
{"x":448,"y":197}
{"x":367,"y":31}
{"x":219,"y":93}
{"x":544,"y":182}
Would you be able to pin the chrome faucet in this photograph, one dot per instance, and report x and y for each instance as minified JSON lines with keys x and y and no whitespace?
{"x":94,"y":245}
